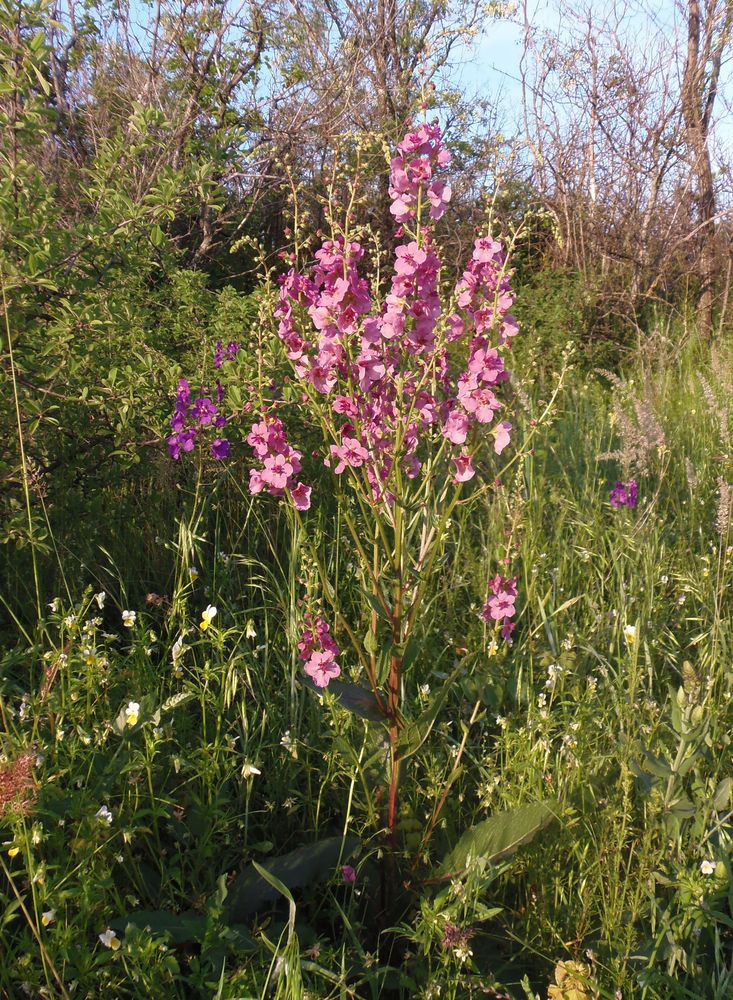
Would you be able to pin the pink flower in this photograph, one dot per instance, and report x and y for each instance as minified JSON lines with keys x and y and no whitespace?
{"x":500,"y":606}
{"x":439,"y":194}
{"x":455,"y":427}
{"x":464,"y":468}
{"x":501,"y":436}
{"x":409,"y":258}
{"x":488,"y":251}
{"x":322,"y":668}
{"x":345,"y":405}
{"x":322,"y":379}
{"x":258,"y":439}
{"x":348,"y":874}
{"x":400,"y":207}
{"x":456,"y":328}
{"x":301,"y":497}
{"x":256,"y":482}
{"x":349,"y":452}
{"x":483,"y":404}
{"x":277,"y":471}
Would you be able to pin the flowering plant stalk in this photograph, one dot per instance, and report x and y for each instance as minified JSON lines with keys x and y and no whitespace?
{"x":406,"y":389}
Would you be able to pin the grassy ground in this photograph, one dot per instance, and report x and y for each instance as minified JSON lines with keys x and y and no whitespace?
{"x":613,"y":703}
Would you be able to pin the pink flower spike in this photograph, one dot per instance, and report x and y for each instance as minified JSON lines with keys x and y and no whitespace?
{"x":301,"y":496}
{"x":464,"y":468}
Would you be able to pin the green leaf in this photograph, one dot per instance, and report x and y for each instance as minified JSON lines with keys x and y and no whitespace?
{"x":500,"y":836}
{"x":370,"y":643}
{"x":251,"y":890}
{"x":352,"y":697}
{"x":723,"y":795}
{"x":654,"y":765}
{"x":183,"y":928}
{"x":376,"y":606}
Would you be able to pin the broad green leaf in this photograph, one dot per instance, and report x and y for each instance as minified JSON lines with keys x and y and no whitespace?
{"x":500,"y":836}
{"x":183,"y":927}
{"x":352,"y":697}
{"x":251,"y":890}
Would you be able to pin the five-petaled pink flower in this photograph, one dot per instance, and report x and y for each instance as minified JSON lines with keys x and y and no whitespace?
{"x":349,"y":453}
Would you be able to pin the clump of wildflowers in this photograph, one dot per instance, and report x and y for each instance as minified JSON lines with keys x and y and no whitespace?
{"x":280,"y":464}
{"x":624,"y":494}
{"x":318,"y":651}
{"x":222,"y":354}
{"x":190,"y":419}
{"x":500,"y":605}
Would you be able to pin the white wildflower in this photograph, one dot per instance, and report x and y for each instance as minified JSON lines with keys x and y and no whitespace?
{"x":104,"y":815}
{"x":109,"y":939}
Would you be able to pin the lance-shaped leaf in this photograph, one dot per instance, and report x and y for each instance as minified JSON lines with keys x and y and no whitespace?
{"x":500,"y":836}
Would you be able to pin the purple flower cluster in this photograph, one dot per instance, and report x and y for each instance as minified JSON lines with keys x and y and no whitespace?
{"x":280,"y":463}
{"x":318,"y":651}
{"x":191,"y":419}
{"x":222,"y":354}
{"x":500,"y":606}
{"x":624,"y":494}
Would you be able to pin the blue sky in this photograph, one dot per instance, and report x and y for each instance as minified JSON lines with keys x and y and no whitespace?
{"x":491,"y":64}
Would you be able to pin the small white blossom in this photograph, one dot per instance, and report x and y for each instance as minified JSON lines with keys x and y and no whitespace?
{"x":99,"y":598}
{"x":630,"y":634}
{"x":48,"y":917}
{"x":128,"y":618}
{"x":70,"y":621}
{"x":249,"y":631}
{"x":289,"y":744}
{"x":104,"y":815}
{"x":707,"y":867}
{"x":249,"y":769}
{"x":109,"y":939}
